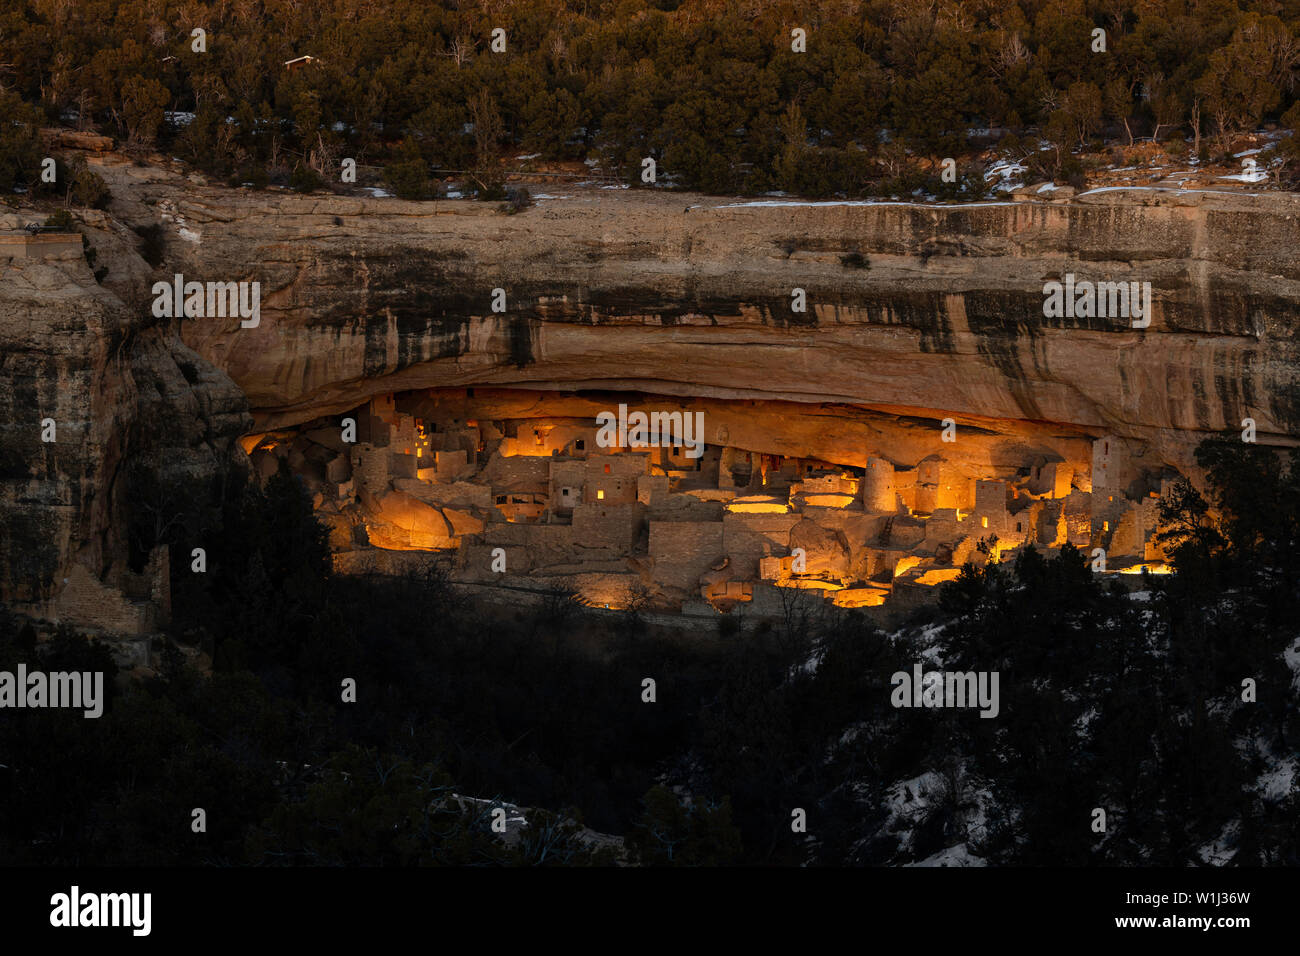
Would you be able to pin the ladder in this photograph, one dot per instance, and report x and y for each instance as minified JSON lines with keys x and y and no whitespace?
{"x":886,"y":530}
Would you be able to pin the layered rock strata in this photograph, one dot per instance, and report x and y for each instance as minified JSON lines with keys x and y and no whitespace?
{"x":914,"y":314}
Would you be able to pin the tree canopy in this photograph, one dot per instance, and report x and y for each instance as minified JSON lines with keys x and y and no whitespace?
{"x":712,"y":89}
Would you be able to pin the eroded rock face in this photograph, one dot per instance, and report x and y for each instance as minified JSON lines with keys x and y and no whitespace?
{"x":114,"y":386}
{"x":61,"y":339}
{"x":924,"y":311}
{"x":914,"y":314}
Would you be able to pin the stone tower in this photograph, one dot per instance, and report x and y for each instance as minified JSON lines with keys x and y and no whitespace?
{"x":878,"y":493}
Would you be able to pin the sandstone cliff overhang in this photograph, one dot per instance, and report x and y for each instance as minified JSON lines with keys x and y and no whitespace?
{"x":932,"y":309}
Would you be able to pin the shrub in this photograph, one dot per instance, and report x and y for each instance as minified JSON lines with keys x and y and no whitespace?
{"x":20,"y":142}
{"x":61,"y":221}
{"x":492,"y":191}
{"x":517,"y":199}
{"x":153,"y":243}
{"x":86,"y":188}
{"x":409,"y":177}
{"x":253,"y":173}
{"x":304,"y":179}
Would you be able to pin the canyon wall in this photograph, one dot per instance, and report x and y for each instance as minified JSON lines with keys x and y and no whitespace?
{"x":915,"y":313}
{"x":89,"y":384}
{"x":919,"y":311}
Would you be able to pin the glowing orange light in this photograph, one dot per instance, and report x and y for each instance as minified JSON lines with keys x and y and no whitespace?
{"x":828,"y":500}
{"x":758,"y":507}
{"x":1149,"y":567}
{"x":905,"y":564}
{"x":938,"y":576}
{"x":860,"y":597}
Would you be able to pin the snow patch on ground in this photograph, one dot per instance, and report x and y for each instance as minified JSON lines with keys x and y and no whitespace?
{"x":1086,"y":718}
{"x":1278,"y":782}
{"x":190,"y":235}
{"x":907,"y":798}
{"x":378,"y":193}
{"x":930,"y":655}
{"x":927,"y":642}
{"x":1161,"y":189}
{"x":812,"y":663}
{"x":851,"y":734}
{"x":1292,"y":657}
{"x":911,"y":802}
{"x":959,"y":855}
{"x":1004,"y":168}
{"x":1221,"y":850}
{"x":837,"y":202}
{"x":1008,"y":174}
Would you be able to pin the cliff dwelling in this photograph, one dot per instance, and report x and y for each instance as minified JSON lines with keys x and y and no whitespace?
{"x":856,"y":507}
{"x":823,"y":471}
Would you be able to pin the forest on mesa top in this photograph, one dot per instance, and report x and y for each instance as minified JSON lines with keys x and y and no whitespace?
{"x":711,"y":89}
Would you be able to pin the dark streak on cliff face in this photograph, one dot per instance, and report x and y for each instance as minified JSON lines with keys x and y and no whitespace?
{"x":1004,"y":324}
{"x":521,"y":341}
{"x":1226,"y":310}
{"x":929,"y":307}
{"x":922,"y":311}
